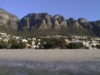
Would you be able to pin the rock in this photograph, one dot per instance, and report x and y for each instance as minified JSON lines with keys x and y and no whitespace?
{"x":56,"y":17}
{"x":82,"y":20}
{"x":8,"y":20}
{"x":63,"y":24}
{"x":49,"y":23}
{"x":43,"y":24}
{"x":77,"y":24}
{"x":48,"y":19}
{"x":71,"y":21}
{"x":61,"y":20}
{"x":98,"y":22}
{"x":44,"y":21}
{"x":24,"y":23}
{"x":56,"y":25}
{"x":74,"y":23}
{"x":35,"y":20}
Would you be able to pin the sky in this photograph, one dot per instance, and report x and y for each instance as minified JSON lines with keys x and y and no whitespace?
{"x":89,"y":9}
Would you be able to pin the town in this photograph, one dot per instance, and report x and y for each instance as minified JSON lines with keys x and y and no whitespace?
{"x":8,"y":41}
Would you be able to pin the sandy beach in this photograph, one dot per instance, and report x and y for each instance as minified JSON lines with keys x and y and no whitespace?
{"x":49,"y":62}
{"x":50,"y":55}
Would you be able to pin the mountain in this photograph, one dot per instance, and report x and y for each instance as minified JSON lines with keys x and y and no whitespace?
{"x":46,"y":24}
{"x":8,"y":21}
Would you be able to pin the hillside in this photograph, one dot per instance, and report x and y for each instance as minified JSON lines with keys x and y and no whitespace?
{"x":45,"y":24}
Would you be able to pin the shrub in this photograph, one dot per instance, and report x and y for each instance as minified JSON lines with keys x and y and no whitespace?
{"x":75,"y":46}
{"x":98,"y":46}
{"x":3,"y":44}
{"x":16,"y":44}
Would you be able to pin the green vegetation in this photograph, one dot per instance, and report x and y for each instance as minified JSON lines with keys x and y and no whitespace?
{"x":7,"y":30}
{"x":98,"y":46}
{"x":60,"y":44}
{"x":75,"y":46}
{"x":3,"y":44}
{"x":53,"y":43}
{"x":15,"y":44}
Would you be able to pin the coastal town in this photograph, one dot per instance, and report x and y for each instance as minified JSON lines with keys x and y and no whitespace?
{"x":8,"y":41}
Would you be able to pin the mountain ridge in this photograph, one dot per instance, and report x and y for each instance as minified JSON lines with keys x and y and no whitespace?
{"x":45,"y":24}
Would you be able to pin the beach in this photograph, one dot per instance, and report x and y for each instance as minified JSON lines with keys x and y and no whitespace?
{"x":50,"y":55}
{"x":49,"y":62}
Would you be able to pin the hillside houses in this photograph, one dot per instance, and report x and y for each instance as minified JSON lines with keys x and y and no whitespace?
{"x":39,"y":42}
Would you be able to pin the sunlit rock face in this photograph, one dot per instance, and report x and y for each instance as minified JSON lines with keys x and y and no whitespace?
{"x":38,"y":23}
{"x":8,"y":20}
{"x":82,"y":20}
{"x":43,"y":25}
{"x":59,"y":22}
{"x":42,"y":21}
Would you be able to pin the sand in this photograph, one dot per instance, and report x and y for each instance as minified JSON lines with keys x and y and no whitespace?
{"x":50,"y":55}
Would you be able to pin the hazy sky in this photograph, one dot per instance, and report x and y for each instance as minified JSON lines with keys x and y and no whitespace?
{"x":89,"y":9}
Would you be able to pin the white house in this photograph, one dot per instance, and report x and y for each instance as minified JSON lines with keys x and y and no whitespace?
{"x":86,"y":43}
{"x":24,"y":40}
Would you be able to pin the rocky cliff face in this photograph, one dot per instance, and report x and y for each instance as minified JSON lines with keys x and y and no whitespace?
{"x":46,"y":21}
{"x":40,"y":23}
{"x":8,"y":20}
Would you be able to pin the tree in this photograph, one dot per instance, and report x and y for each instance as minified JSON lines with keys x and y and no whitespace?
{"x":21,"y":44}
{"x":16,"y":44}
{"x":13,"y":43}
{"x":49,"y":46}
{"x":98,"y":46}
{"x":30,"y":42}
{"x":54,"y":43}
{"x":75,"y":46}
{"x":3,"y":44}
{"x":50,"y":43}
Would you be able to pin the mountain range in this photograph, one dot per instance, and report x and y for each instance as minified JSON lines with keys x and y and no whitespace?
{"x":46,"y":24}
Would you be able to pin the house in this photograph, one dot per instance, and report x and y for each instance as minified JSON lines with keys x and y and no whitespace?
{"x":86,"y":43}
{"x":34,"y":39}
{"x":24,"y":40}
{"x":67,"y":41}
{"x":94,"y":43}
